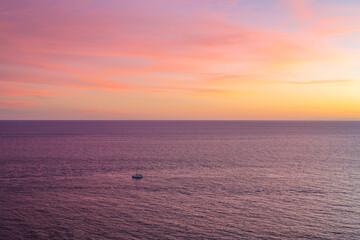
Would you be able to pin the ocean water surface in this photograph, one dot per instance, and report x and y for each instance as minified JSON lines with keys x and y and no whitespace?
{"x":202,"y":180}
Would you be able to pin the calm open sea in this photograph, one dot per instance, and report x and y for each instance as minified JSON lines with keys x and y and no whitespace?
{"x":202,"y":180}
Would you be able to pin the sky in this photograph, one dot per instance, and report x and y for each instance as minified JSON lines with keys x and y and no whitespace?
{"x":179,"y":59}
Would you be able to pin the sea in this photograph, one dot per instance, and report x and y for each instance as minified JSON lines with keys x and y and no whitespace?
{"x":201,"y":180}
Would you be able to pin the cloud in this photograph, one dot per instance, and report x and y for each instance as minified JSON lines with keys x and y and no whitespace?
{"x":335,"y":81}
{"x":11,"y":103}
{"x":199,"y":92}
{"x":299,"y":8}
{"x":332,"y":26}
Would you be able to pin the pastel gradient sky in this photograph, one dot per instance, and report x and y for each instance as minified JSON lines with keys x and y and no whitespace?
{"x":178,"y":59}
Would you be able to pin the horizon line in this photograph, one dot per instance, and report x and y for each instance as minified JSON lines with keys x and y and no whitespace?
{"x":229,"y":120}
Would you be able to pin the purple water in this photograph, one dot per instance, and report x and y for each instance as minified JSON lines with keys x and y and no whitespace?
{"x":202,"y":180}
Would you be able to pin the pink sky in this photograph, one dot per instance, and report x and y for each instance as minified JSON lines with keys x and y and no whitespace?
{"x":112,"y":59}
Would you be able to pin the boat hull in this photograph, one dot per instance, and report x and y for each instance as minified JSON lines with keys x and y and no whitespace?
{"x":137,"y":177}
